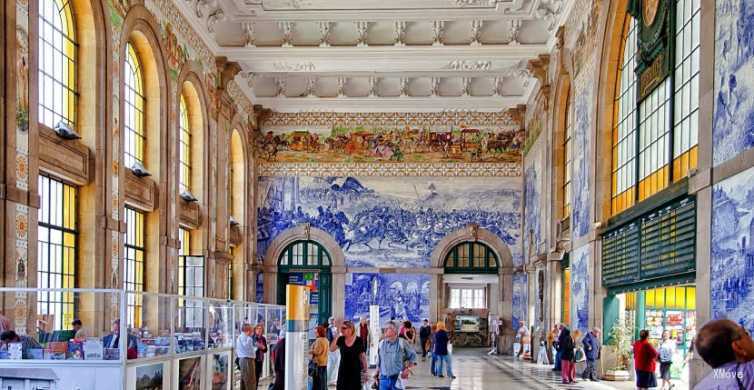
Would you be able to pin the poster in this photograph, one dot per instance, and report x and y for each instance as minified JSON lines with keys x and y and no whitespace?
{"x":219,"y":371}
{"x":190,"y":374}
{"x":149,"y":377}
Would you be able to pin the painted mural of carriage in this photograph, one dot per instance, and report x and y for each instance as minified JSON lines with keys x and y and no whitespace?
{"x":303,"y":141}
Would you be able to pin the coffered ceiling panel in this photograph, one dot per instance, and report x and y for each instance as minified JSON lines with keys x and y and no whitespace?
{"x":380,"y":55}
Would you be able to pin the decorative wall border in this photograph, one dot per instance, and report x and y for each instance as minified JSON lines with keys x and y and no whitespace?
{"x":391,"y":169}
{"x":509,"y":119}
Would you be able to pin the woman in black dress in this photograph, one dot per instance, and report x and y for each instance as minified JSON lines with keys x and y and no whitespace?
{"x":353,"y":360}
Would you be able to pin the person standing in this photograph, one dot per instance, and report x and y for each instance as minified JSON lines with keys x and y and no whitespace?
{"x":552,"y":338}
{"x":567,"y":356}
{"x":353,"y":360}
{"x":395,"y":358}
{"x":246,"y":352}
{"x":334,"y":357}
{"x":592,"y":349}
{"x":441,"y":350}
{"x":667,"y":349}
{"x":319,"y":352}
{"x":495,"y":328}
{"x":645,"y":356}
{"x":409,"y":332}
{"x":278,"y":358}
{"x":433,"y":360}
{"x":425,"y":331}
{"x":261,"y":344}
{"x":364,"y":332}
{"x":729,"y":349}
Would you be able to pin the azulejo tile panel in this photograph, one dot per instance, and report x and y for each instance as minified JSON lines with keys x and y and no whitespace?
{"x":400,"y":296}
{"x":389,"y":222}
{"x":582,"y":157}
{"x":732,"y":249}
{"x":580,"y":259}
{"x":733,"y":127}
{"x":520,"y":298}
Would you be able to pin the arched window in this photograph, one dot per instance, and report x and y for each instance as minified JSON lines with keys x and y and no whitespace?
{"x":135,"y":105}
{"x":185,"y":147}
{"x":655,"y":142}
{"x":568,"y":157}
{"x":307,"y":254}
{"x":471,"y":257}
{"x":57,"y":63}
{"x":624,"y":128}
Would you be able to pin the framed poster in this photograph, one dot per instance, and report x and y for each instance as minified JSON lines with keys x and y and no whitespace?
{"x":149,"y":377}
{"x":220,"y":371}
{"x":190,"y":374}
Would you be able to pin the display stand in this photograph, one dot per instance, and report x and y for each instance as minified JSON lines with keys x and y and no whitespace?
{"x":179,"y":343}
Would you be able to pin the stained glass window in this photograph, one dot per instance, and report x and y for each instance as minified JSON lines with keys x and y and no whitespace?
{"x":58,"y":52}
{"x":135,"y":253}
{"x":56,"y":251}
{"x":135,"y":104}
{"x":185,"y":145}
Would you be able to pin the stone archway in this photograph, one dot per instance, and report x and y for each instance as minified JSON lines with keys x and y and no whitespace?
{"x":307,"y":232}
{"x":472,"y":232}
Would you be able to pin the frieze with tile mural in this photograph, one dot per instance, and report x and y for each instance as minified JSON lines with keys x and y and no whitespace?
{"x":390,"y":137}
{"x":389,"y":222}
{"x":400,"y":296}
{"x":733,"y":126}
{"x":732,"y":249}
{"x":580,"y":288}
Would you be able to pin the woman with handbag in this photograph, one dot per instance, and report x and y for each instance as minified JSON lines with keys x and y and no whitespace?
{"x":567,"y":356}
{"x":353,"y":359}
{"x":645,"y":357}
{"x":318,"y":364}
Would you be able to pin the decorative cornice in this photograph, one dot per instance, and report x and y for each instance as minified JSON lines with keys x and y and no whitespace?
{"x":469,"y":65}
{"x":508,"y":119}
{"x":391,"y":169}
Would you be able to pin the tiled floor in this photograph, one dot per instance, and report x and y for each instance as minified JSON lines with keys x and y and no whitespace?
{"x":475,"y":370}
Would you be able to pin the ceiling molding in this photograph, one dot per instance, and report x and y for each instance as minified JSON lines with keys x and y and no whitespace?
{"x":390,"y":104}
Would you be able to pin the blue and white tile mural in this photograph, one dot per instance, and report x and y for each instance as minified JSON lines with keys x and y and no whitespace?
{"x":580,"y":259}
{"x":732,"y":249}
{"x":400,"y":296}
{"x":733,"y":127}
{"x":580,"y":175}
{"x":390,"y":222}
{"x":260,"y":287}
{"x":532,"y":212}
{"x":520,"y":298}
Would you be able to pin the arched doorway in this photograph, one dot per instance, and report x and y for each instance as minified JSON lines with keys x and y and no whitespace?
{"x":307,"y":262}
{"x":470,"y":283}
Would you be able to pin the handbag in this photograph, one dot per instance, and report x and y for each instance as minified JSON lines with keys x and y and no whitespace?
{"x":579,"y":354}
{"x":312,"y":368}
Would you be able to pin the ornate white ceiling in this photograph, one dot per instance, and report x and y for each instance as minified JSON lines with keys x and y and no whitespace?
{"x":380,"y":55}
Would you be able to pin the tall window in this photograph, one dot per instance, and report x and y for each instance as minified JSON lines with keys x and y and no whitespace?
{"x":57,"y":63}
{"x":135,"y":253}
{"x":568,"y":158}
{"x":190,"y":281}
{"x":468,"y":298}
{"x":56,"y":266}
{"x":667,"y":123}
{"x":624,"y":130}
{"x":185,"y":152}
{"x":135,"y":104}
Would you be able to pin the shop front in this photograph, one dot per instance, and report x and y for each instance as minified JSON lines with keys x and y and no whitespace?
{"x":649,"y":271}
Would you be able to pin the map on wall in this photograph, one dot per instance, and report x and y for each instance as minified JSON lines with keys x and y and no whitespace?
{"x":389,"y":222}
{"x":400,"y":296}
{"x":390,"y":137}
{"x":732,"y":257}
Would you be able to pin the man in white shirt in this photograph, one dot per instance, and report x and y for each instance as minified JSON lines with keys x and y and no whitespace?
{"x":246,"y":351}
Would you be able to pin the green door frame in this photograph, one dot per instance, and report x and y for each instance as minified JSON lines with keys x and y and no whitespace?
{"x":288,"y":264}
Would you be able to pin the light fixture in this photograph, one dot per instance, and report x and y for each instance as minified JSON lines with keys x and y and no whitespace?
{"x":232,"y":221}
{"x":187,"y":196}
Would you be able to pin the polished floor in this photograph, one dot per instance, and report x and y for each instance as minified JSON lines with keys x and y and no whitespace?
{"x":475,"y":370}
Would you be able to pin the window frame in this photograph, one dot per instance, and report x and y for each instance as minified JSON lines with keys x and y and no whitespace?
{"x":63,"y":86}
{"x":134,"y":104}
{"x":461,"y":259}
{"x":184,"y":142}
{"x":665,"y":123}
{"x":137,"y":233}
{"x":68,"y":231}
